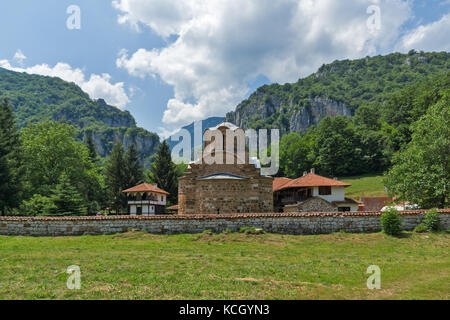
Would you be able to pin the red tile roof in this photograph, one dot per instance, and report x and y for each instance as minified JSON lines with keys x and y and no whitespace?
{"x":175,"y":207}
{"x":145,"y":187}
{"x":279,"y":182}
{"x":309,"y":180}
{"x":216,"y":216}
{"x":375,"y":204}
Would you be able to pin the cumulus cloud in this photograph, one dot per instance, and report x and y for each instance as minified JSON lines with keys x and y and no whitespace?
{"x":19,"y":57}
{"x":97,"y":86}
{"x":431,"y":37}
{"x":221,"y":46}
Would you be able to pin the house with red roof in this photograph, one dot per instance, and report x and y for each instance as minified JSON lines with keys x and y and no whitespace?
{"x":312,"y":193}
{"x":146,"y":199}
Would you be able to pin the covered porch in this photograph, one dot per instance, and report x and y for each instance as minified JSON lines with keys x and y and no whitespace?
{"x":292,"y":196}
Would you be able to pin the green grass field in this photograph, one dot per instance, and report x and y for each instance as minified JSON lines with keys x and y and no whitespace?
{"x":137,"y":265}
{"x":365,"y":186}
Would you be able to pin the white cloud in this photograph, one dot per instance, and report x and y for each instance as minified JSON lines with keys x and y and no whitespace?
{"x":98,"y":86}
{"x":431,"y":37}
{"x":221,"y":45}
{"x":19,"y":57}
{"x":164,"y":133}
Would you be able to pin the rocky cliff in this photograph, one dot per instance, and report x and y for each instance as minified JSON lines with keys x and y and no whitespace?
{"x":336,"y":89}
{"x":293,"y":119}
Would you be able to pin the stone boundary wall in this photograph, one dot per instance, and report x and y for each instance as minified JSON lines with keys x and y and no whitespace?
{"x":284,"y":223}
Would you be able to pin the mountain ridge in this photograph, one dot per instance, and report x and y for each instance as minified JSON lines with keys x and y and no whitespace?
{"x":338,"y":88}
{"x":36,"y":98}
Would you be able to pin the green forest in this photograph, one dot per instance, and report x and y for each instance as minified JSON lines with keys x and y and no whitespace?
{"x":355,"y":83}
{"x":407,"y":137}
{"x":390,"y":98}
{"x":36,"y":98}
{"x":50,"y":162}
{"x":45,"y":170}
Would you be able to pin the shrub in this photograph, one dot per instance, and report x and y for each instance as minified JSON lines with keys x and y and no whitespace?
{"x":421,"y":228}
{"x":431,"y":220}
{"x":244,"y":229}
{"x":391,"y":222}
{"x":38,"y":205}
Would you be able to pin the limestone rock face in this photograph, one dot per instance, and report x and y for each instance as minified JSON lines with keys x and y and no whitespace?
{"x":296,"y":119}
{"x":146,"y":142}
{"x":319,"y":108}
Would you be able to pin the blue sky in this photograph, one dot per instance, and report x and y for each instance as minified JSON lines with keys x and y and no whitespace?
{"x":171,"y":62}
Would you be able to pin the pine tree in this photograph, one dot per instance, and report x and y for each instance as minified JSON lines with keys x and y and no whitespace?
{"x":91,"y":146}
{"x":67,"y":199}
{"x":9,"y":159}
{"x":163,"y":172}
{"x":134,"y":173}
{"x":116,"y":178}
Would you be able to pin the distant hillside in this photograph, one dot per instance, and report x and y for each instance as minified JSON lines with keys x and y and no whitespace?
{"x":207,"y":123}
{"x":335,"y":89}
{"x":37,"y":98}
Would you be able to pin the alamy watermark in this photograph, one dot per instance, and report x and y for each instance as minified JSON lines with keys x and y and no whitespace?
{"x":374,"y":281}
{"x":374,"y":21}
{"x":74,"y":280}
{"x":229,"y":146}
{"x":73,"y":22}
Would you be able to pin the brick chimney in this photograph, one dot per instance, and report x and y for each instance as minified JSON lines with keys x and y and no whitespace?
{"x":313,"y":171}
{"x":305,"y":173}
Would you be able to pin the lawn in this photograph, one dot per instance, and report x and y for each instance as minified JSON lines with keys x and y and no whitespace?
{"x":365,"y":186}
{"x":137,"y":265}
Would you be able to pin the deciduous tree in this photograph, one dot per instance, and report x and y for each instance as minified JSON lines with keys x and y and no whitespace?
{"x":421,"y":172}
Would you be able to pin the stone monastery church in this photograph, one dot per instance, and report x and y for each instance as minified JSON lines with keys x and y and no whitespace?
{"x":224,"y":188}
{"x":237,"y":186}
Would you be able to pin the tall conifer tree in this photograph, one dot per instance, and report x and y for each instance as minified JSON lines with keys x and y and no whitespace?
{"x":163,"y":172}
{"x":134,"y":173}
{"x":115,"y":178}
{"x":91,"y":146}
{"x":67,"y":199}
{"x":9,"y":159}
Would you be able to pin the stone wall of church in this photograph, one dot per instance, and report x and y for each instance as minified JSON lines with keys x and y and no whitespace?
{"x":225,"y":195}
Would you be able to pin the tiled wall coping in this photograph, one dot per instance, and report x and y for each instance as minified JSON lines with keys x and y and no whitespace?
{"x":217,"y":216}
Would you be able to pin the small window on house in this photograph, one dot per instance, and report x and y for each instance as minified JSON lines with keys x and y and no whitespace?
{"x":162,"y":198}
{"x":324,"y":191}
{"x":344,"y":209}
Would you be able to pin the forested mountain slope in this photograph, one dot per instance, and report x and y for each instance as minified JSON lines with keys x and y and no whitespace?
{"x":37,"y":98}
{"x":336,"y":89}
